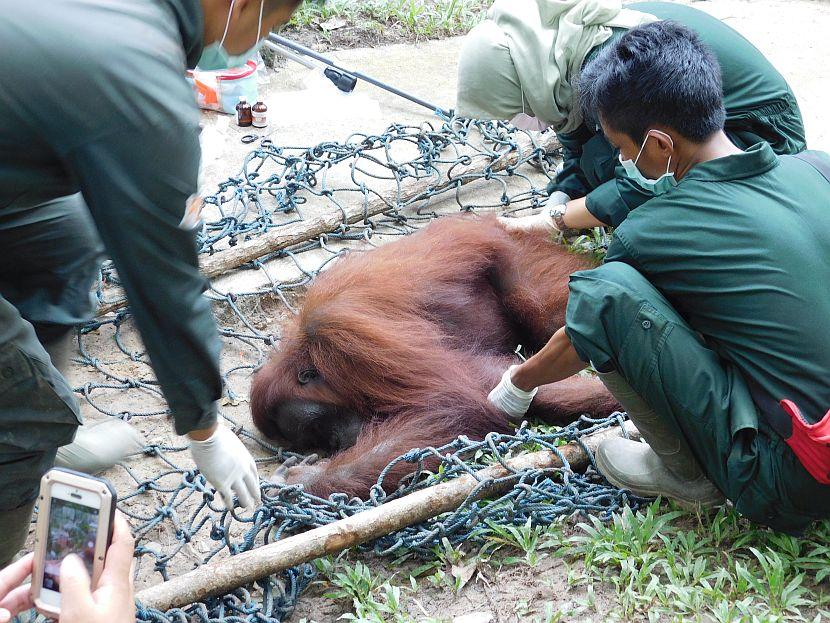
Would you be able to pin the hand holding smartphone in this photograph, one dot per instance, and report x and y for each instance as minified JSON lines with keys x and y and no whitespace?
{"x":75,"y":516}
{"x":109,"y":600}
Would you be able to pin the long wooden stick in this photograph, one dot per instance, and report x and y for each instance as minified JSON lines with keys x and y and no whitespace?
{"x":222,"y":576}
{"x":327,"y":221}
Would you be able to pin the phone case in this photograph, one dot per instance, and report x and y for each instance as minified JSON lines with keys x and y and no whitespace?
{"x":104,"y":540}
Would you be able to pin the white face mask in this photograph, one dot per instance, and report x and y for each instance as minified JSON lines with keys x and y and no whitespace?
{"x":215,"y":56}
{"x":662,"y":184}
{"x":523,"y":121}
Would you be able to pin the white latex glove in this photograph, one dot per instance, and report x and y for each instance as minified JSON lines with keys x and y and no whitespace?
{"x":535,"y":222}
{"x":510,"y":399}
{"x":226,"y":463}
{"x":557,"y":198}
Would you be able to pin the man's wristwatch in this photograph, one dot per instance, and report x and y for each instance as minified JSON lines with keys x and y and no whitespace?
{"x":557,"y":215}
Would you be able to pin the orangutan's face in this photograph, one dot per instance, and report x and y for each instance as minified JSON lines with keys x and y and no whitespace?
{"x":306,"y":425}
{"x":292,"y":404}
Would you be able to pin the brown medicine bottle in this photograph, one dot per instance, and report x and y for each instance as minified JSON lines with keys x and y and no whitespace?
{"x":244,"y":116}
{"x":260,"y":114}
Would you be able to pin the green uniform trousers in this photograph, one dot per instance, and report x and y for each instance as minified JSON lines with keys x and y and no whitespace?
{"x":51,"y":260}
{"x":617,"y":319}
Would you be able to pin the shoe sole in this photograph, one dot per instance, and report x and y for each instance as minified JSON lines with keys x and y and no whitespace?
{"x":645,"y":492}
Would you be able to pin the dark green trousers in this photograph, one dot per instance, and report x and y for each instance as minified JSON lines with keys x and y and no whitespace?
{"x":51,"y":256}
{"x":617,"y":320}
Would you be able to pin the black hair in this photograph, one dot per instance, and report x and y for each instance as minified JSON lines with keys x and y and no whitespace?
{"x":659,"y":73}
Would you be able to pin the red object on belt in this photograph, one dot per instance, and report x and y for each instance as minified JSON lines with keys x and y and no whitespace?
{"x":810,"y":442}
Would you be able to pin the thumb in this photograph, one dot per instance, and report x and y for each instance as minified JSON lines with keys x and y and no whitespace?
{"x":75,"y":586}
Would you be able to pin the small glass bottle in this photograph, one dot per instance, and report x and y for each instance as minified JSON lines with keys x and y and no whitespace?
{"x":260,"y":114}
{"x":244,"y":115}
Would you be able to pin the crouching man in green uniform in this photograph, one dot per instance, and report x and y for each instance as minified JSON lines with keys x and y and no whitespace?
{"x":523,"y":63}
{"x":99,"y":151}
{"x":708,"y":319}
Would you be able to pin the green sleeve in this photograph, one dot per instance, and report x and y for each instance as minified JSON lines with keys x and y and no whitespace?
{"x":571,"y":180}
{"x":613,"y":195}
{"x":136,"y":182}
{"x":620,"y":251}
{"x":611,"y":201}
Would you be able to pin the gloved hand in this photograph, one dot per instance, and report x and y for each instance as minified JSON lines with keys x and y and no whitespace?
{"x":535,"y":222}
{"x":541,"y":221}
{"x":228,"y":466}
{"x":510,"y":399}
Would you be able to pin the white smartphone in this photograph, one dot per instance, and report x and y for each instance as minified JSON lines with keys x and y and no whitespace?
{"x":75,"y":516}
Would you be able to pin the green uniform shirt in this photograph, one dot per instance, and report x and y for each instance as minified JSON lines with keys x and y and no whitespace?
{"x":740,"y":248}
{"x":93,"y":99}
{"x":759,"y":107}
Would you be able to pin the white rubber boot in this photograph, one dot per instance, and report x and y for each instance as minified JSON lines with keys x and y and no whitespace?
{"x":665,"y":466}
{"x":97,"y":447}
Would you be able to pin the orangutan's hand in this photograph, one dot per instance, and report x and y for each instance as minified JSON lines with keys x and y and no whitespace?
{"x":294,"y":472}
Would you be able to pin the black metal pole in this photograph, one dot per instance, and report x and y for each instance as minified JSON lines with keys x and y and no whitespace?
{"x":291,"y":45}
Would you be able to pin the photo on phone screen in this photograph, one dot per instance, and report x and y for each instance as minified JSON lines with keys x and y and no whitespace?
{"x":73,"y":529}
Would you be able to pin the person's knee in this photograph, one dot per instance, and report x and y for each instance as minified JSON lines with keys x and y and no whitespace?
{"x":83,"y":252}
{"x":603,"y":303}
{"x":611,"y":275}
{"x":59,"y":241}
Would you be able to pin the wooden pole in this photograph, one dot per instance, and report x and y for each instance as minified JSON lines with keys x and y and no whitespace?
{"x":223,"y":576}
{"x":327,"y":221}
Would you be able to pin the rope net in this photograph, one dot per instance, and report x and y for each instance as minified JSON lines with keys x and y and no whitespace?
{"x":178,"y":521}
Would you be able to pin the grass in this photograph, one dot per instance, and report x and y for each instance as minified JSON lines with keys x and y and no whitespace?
{"x":675,"y":566}
{"x":420,"y":18}
{"x":373,"y":599}
{"x":594,"y":243}
{"x":658,"y":564}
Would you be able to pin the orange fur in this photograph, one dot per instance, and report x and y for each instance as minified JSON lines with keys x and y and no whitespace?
{"x":413,"y":335}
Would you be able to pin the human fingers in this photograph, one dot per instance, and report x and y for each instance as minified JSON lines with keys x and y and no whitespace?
{"x":120,"y":554}
{"x":241,"y":490}
{"x":76,"y":596}
{"x":17,"y":601}
{"x":226,"y":495}
{"x":510,"y":224}
{"x":252,"y":484}
{"x":12,"y":576}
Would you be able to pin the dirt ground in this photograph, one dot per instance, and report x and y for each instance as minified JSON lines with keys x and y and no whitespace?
{"x":304,"y":112}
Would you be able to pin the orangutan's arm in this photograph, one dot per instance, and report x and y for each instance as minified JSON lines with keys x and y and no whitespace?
{"x":556,"y":361}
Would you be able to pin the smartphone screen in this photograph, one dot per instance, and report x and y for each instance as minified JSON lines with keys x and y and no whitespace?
{"x":75,"y":515}
{"x":73,"y":529}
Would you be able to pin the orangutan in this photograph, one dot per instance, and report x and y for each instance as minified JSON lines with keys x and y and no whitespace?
{"x":397,"y":348}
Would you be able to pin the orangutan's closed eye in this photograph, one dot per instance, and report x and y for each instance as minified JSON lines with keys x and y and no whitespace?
{"x":306,"y":376}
